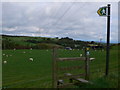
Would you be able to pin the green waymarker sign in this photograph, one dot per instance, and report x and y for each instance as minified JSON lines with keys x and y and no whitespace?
{"x":105,"y":11}
{"x":102,"y":11}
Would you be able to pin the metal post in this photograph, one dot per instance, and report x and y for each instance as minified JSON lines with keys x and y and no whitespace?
{"x":108,"y":41}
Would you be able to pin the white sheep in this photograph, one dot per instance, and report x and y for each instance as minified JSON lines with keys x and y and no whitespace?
{"x":14,"y":49}
{"x":24,"y":52}
{"x":80,"y":55}
{"x":6,"y":55}
{"x":4,"y":62}
{"x":31,"y":59}
{"x":30,"y":48}
{"x":92,"y":59}
{"x":3,"y":54}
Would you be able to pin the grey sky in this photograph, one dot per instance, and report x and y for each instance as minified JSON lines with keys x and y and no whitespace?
{"x":77,"y":20}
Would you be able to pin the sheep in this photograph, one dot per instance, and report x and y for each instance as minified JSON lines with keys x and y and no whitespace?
{"x":80,"y":55}
{"x":4,"y":62}
{"x":31,"y":59}
{"x":24,"y":52}
{"x":30,"y":48}
{"x":6,"y":55}
{"x":92,"y":59}
{"x":3,"y":54}
{"x":14,"y":49}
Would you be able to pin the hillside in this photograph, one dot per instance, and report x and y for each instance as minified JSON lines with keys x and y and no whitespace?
{"x":26,"y":42}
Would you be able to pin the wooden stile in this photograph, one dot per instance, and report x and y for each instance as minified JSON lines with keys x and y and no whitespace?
{"x":57,"y":80}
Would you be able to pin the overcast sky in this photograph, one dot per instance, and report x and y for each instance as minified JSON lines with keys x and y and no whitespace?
{"x":77,"y":20}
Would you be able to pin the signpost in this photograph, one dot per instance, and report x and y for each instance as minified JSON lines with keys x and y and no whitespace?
{"x":105,"y":11}
{"x":102,"y":11}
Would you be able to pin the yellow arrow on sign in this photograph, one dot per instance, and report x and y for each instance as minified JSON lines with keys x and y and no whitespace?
{"x":99,"y":12}
{"x":102,"y":11}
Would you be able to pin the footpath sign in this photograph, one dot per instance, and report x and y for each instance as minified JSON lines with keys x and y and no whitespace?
{"x":105,"y":11}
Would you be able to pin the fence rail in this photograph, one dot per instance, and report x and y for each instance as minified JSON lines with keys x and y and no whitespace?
{"x":71,"y":59}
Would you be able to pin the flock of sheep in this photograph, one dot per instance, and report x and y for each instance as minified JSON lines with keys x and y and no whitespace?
{"x":30,"y":59}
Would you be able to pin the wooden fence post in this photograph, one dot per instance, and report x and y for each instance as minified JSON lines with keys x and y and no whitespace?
{"x":87,"y":60}
{"x":54,"y":74}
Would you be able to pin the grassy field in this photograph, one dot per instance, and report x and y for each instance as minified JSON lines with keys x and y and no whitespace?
{"x":19,"y":72}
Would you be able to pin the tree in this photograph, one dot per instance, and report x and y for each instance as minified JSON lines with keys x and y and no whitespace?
{"x":92,"y":42}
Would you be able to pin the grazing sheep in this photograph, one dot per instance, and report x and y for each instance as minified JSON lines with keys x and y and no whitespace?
{"x":4,"y":62}
{"x":3,"y":54}
{"x":31,"y":59}
{"x":30,"y":48}
{"x":80,"y":55}
{"x":92,"y":59}
{"x":6,"y":55}
{"x":24,"y":52}
{"x":14,"y":49}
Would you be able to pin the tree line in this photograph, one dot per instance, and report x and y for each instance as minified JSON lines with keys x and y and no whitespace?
{"x":8,"y":42}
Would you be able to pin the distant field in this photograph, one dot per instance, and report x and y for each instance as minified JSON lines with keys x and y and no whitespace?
{"x":19,"y":72}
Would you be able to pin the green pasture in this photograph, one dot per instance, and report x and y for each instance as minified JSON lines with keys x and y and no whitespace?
{"x":19,"y":72}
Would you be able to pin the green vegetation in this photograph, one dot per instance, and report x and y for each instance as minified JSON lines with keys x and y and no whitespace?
{"x":19,"y":72}
{"x":25,"y":42}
